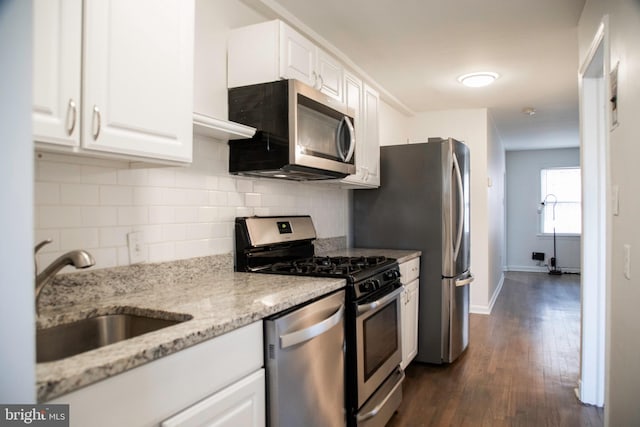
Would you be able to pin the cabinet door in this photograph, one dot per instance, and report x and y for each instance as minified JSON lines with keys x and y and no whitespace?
{"x":297,"y":56}
{"x":410,"y":323}
{"x":353,"y":99}
{"x":138,"y":78}
{"x":330,"y":75}
{"x":57,"y":41}
{"x":240,"y":404}
{"x":371,"y":101}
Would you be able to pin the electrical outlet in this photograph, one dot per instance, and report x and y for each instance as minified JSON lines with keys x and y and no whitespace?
{"x":136,"y":247}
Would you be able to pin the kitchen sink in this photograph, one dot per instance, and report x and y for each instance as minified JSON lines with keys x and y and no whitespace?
{"x":58,"y":342}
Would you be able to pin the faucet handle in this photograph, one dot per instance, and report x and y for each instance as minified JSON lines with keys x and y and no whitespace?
{"x":41,"y":244}
{"x":36,"y":249}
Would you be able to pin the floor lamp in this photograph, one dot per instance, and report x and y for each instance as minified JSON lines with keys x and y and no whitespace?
{"x":554,"y":260}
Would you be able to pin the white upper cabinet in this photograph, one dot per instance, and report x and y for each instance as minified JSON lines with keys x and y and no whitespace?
{"x":57,"y":44}
{"x":137,"y":77}
{"x":371,"y":135}
{"x":364,"y":100}
{"x":272,"y":50}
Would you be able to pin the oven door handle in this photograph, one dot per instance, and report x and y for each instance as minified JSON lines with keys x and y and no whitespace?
{"x":372,"y":413}
{"x":312,"y":331}
{"x":363,"y":308}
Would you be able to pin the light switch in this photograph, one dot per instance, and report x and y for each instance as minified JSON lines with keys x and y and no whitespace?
{"x":615,"y":200}
{"x":627,"y":262}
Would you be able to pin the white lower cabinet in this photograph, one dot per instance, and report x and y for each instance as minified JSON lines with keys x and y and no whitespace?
{"x":410,"y":272}
{"x":241,"y":404}
{"x":219,"y":382}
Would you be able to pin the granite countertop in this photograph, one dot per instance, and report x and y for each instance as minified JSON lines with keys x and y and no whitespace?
{"x":218,"y":301}
{"x":204,"y":290}
{"x":400,"y":255}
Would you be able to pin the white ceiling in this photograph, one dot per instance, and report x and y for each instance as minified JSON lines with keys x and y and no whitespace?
{"x":416,"y":49}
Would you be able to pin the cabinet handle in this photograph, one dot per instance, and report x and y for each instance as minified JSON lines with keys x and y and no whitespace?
{"x":321,"y":81}
{"x":315,"y":78}
{"x":97,"y":119}
{"x":73,"y":111}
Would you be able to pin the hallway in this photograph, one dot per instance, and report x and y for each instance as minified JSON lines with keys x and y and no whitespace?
{"x":520,"y":369}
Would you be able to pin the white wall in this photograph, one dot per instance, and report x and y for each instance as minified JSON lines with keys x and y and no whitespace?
{"x":17,"y":329}
{"x":623,"y":327}
{"x":496,"y":211}
{"x":393,"y":125}
{"x":523,"y":200}
{"x":470,"y":126}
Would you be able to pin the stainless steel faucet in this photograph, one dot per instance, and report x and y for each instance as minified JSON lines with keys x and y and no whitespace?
{"x":78,"y":258}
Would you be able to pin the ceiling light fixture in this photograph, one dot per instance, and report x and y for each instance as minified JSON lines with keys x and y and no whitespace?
{"x":480,"y":79}
{"x":529,"y":111}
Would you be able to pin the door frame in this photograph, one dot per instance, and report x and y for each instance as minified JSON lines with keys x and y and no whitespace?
{"x":596,"y":218}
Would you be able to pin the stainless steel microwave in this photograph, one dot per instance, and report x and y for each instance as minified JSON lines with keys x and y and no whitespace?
{"x":302,"y":134}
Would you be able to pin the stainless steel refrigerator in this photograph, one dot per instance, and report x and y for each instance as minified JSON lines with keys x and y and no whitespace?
{"x":423,"y":204}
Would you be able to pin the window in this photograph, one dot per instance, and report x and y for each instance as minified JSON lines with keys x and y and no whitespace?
{"x":561,"y":194}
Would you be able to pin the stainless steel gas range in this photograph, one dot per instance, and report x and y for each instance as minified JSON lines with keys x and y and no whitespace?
{"x":372,"y":387}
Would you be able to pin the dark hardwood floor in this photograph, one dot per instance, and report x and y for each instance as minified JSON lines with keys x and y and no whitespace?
{"x":520,"y":369}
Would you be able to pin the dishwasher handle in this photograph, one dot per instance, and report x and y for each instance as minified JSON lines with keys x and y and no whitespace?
{"x":312,"y":331}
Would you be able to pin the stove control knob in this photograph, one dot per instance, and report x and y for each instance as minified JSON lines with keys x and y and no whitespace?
{"x":368,"y":286}
{"x":391,"y":275}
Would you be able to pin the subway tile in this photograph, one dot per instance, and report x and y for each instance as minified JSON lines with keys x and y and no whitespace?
{"x":187,"y":179}
{"x":105,"y":257}
{"x":199,"y":231}
{"x":79,"y":238}
{"x":235,"y":199}
{"x":218,"y":198}
{"x":186,"y":214}
{"x":207,"y":214}
{"x":150,"y":233}
{"x":147,"y":196}
{"x":159,"y":252}
{"x":79,"y":194}
{"x":133,"y":215}
{"x":46,"y":193}
{"x":133,"y":176}
{"x":116,"y":195}
{"x":192,"y":248}
{"x":162,"y":214}
{"x":59,"y":216}
{"x":162,"y":177}
{"x":99,"y":216}
{"x":262,"y":211}
{"x":58,"y":172}
{"x":197,"y":197}
{"x":244,"y":185}
{"x":226,"y":184}
{"x":174,"y":196}
{"x":113,"y":236}
{"x":174,"y":232}
{"x":123,"y":255}
{"x":98,"y":175}
{"x":252,"y":199}
{"x":244,"y":211}
{"x":211,"y":182}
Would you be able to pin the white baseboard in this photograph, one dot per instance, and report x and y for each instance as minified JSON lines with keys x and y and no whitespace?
{"x":486,"y":309}
{"x":541,"y":269}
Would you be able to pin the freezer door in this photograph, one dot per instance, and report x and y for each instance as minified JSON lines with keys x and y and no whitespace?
{"x":455,"y":313}
{"x":456,"y":208}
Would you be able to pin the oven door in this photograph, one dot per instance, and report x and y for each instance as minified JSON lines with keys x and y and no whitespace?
{"x":378,"y":341}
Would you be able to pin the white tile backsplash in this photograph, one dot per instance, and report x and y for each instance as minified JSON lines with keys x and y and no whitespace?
{"x":182,"y":212}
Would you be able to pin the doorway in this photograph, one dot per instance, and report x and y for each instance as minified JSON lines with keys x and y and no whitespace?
{"x":595,"y":256}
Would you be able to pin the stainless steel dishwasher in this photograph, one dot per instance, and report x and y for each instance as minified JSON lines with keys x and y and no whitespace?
{"x":304,"y":354}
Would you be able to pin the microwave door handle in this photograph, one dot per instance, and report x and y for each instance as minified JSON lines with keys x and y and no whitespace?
{"x":312,"y":331}
{"x":345,"y":157}
{"x":352,"y":139}
{"x":363,"y":308}
{"x":461,"y":207}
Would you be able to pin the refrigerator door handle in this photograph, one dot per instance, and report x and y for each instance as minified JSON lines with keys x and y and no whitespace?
{"x":461,"y":207}
{"x":464,"y":282}
{"x":312,"y":331}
